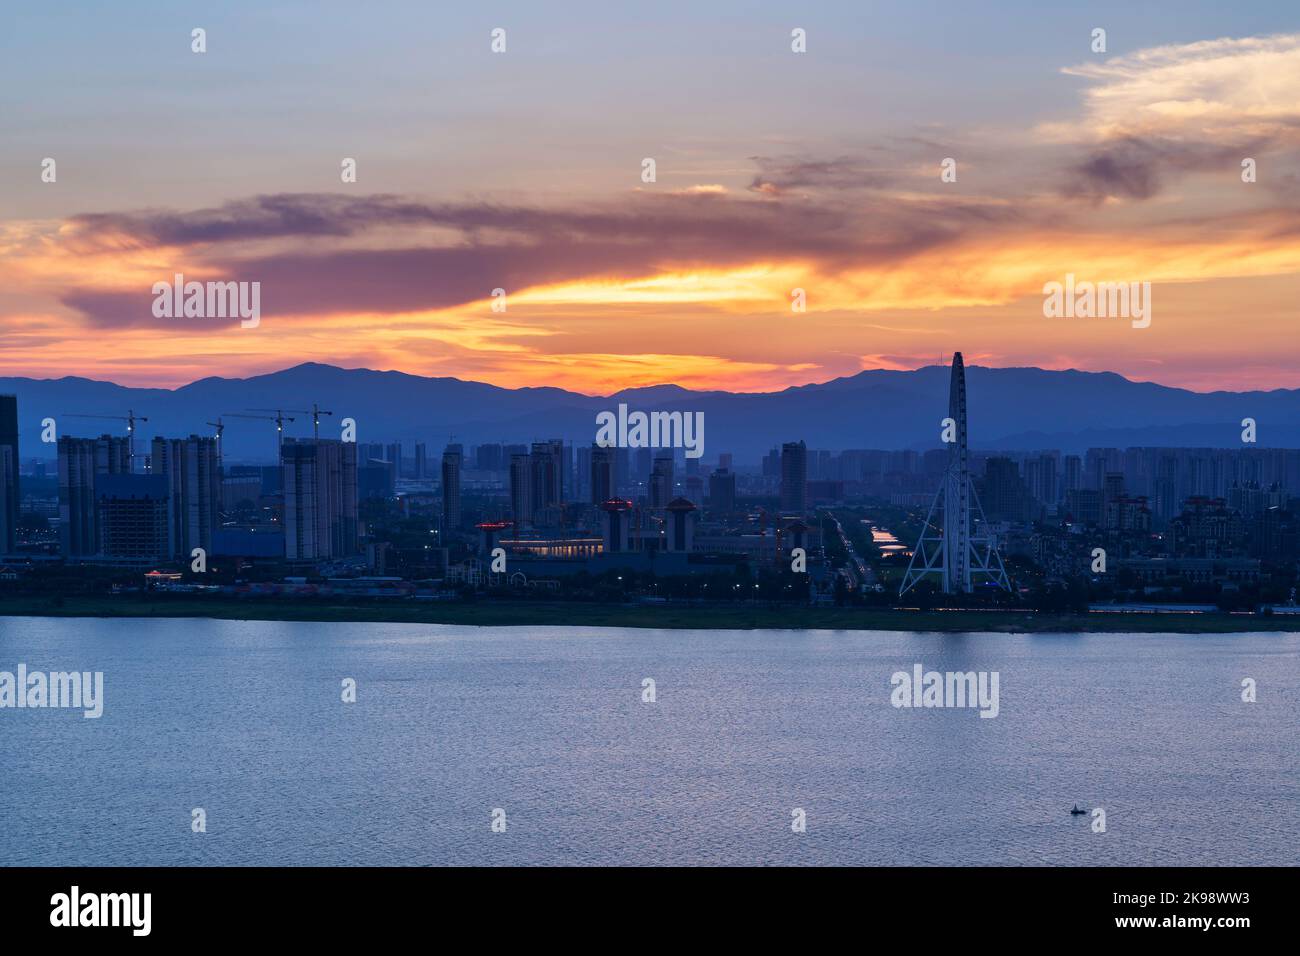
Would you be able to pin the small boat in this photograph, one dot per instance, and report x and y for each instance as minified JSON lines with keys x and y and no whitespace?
{"x":1076,"y":811}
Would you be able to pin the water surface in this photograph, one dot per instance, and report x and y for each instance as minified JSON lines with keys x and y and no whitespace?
{"x":245,"y":719}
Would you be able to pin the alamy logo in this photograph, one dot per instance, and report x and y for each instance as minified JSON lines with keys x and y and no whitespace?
{"x":655,"y":430}
{"x":71,"y":689}
{"x":923,"y":688}
{"x":103,"y":909}
{"x":1100,"y":300}
{"x":208,"y":300}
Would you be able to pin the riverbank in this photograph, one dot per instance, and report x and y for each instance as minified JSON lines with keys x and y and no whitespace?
{"x":557,"y":613}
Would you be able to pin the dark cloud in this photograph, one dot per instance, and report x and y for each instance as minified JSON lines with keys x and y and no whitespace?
{"x":778,"y":176}
{"x":1138,"y":168}
{"x":304,"y":268}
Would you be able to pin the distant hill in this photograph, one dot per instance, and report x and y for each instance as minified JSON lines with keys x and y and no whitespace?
{"x":1010,"y":408}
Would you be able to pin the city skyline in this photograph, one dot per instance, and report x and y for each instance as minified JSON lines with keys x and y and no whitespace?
{"x":1115,"y":166}
{"x":1070,"y":411}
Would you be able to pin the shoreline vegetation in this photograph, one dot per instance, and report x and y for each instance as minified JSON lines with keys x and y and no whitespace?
{"x":673,"y":617}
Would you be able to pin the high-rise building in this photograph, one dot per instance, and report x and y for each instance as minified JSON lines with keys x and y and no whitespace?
{"x":1098,"y":463}
{"x":132,"y":517}
{"x":693,"y":489}
{"x":521,"y":490}
{"x":622,"y":470}
{"x":422,"y":461}
{"x":1003,"y":493}
{"x":1073,"y":478}
{"x":1083,"y":506}
{"x":566,"y":473}
{"x":81,"y":461}
{"x":375,"y":479}
{"x":722,"y":492}
{"x":393,"y":453}
{"x":320,"y":498}
{"x":794,"y":478}
{"x":192,"y":468}
{"x":548,"y":478}
{"x":451,"y":462}
{"x":603,"y":474}
{"x":582,"y":473}
{"x":1112,"y":488}
{"x":9,"y":493}
{"x":490,"y":457}
{"x":1040,"y":477}
{"x":661,"y":482}
{"x":641,"y":465}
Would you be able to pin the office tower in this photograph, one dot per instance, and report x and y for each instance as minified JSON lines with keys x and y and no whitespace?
{"x":9,"y":480}
{"x":603,"y":468}
{"x":692,"y":466}
{"x":772,"y":464}
{"x":794,"y":477}
{"x":724,"y":461}
{"x":521,"y":490}
{"x":192,"y":469}
{"x":320,"y":498}
{"x":132,"y":517}
{"x":81,"y":461}
{"x":722,"y":492}
{"x":615,"y":520}
{"x":661,"y":482}
{"x":681,"y":525}
{"x":451,"y":461}
{"x":421,"y":461}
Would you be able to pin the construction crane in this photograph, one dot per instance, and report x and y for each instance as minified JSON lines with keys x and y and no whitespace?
{"x":130,"y":418}
{"x":220,"y":427}
{"x":279,"y":426}
{"x":315,"y":412}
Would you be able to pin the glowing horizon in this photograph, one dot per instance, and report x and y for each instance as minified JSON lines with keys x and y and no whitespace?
{"x":1120,"y":167}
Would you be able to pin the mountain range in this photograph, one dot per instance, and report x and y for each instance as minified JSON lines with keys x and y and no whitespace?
{"x":1009,"y":408}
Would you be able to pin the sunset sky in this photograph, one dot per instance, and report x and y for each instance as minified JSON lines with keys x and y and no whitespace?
{"x":775,"y":171}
